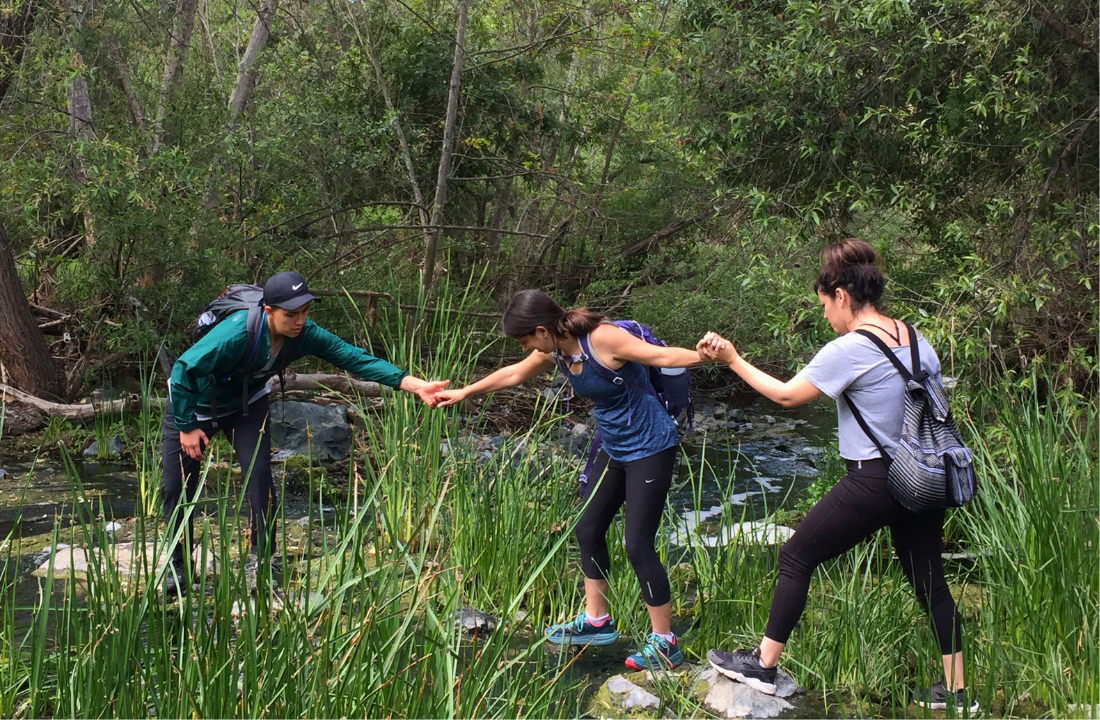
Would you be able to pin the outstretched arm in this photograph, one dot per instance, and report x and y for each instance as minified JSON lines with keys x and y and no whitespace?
{"x":509,"y":376}
{"x":615,"y":345}
{"x":797,"y":391}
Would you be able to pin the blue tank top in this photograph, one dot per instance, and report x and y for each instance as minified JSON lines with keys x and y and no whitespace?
{"x":634,"y":424}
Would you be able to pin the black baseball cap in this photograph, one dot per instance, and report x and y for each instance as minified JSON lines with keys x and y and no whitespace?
{"x":287,"y":290}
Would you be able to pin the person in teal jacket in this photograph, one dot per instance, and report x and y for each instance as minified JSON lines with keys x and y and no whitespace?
{"x":238,"y":407}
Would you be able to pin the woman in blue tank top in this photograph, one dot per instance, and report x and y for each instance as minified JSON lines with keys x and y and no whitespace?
{"x":633,"y":468}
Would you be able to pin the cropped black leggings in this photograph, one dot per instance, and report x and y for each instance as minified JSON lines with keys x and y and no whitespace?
{"x":642,"y":486}
{"x":856,"y":507}
{"x":180,"y":472}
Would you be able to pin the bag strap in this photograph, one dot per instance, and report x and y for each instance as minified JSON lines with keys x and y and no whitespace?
{"x":866,"y":428}
{"x":610,"y":375}
{"x":918,"y":374}
{"x":253,"y":331}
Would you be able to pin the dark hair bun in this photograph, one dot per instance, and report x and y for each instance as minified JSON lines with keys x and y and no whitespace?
{"x":854,"y":265}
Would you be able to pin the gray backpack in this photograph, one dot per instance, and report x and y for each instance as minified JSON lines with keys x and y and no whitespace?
{"x":931,"y":468}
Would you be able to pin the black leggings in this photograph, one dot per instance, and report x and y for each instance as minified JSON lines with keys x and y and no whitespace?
{"x":180,"y":472}
{"x":643,"y":486}
{"x":854,"y":509}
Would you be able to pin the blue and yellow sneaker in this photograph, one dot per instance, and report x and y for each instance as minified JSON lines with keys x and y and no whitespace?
{"x":580,"y":632}
{"x":656,"y":654}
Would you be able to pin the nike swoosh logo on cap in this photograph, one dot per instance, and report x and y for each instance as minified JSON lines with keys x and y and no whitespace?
{"x":295,"y":287}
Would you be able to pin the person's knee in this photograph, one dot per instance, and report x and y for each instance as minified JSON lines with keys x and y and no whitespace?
{"x":792,"y":564}
{"x":639,"y":551}
{"x":588,"y":536}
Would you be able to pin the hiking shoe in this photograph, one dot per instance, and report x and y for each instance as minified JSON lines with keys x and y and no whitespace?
{"x":582,"y":632}
{"x":656,"y":654}
{"x":938,"y":697}
{"x":744,"y":666}
{"x":176,"y":580}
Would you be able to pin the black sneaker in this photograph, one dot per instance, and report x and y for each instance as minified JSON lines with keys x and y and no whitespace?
{"x":744,"y":666}
{"x":176,"y":580}
{"x":938,"y":697}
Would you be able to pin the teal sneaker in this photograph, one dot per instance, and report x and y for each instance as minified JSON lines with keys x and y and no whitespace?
{"x":656,"y":654}
{"x":581,"y":632}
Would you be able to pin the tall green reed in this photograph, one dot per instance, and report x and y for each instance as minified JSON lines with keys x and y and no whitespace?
{"x":1034,"y":530}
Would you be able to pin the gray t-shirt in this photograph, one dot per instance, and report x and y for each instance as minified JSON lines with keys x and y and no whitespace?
{"x":854,"y":364}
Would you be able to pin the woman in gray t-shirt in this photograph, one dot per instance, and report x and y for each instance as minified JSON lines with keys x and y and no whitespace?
{"x":850,"y":288}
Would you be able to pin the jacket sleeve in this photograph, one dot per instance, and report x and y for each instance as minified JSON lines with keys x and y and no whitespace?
{"x":321,"y":343}
{"x":215,"y":354}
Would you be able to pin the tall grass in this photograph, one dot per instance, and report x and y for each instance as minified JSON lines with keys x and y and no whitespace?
{"x":431,"y":526}
{"x":1034,"y":527}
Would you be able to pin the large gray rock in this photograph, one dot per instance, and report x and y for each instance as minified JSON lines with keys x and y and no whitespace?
{"x":730,"y":699}
{"x":307,"y":429}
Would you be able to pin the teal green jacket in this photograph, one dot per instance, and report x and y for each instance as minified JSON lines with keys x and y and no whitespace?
{"x":223,"y":349}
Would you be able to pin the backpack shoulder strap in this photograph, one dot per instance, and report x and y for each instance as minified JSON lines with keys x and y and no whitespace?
{"x":866,"y":428}
{"x":889,"y":353}
{"x":919,"y":374}
{"x":602,"y":370}
{"x":611,"y":375}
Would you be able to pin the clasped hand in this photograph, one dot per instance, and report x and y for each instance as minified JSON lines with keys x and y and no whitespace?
{"x":713,"y":347}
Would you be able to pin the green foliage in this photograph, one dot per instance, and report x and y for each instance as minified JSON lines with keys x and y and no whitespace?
{"x":593,"y":143}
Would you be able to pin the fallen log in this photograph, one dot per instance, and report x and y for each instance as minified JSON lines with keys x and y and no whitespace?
{"x":79,"y":411}
{"x":327,"y":381}
{"x":318,"y":382}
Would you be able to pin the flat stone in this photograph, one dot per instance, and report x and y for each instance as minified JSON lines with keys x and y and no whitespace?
{"x":125,"y":557}
{"x":730,"y":699}
{"x":785,"y":685}
{"x":630,"y":696}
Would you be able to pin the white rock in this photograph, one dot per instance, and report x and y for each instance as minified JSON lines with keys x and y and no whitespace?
{"x":112,"y":527}
{"x":630,"y":696}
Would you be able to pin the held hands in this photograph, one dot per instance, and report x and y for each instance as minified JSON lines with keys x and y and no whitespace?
{"x":449,"y":397}
{"x":713,"y":347}
{"x":429,"y":391}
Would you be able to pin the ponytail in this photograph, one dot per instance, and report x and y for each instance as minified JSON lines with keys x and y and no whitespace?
{"x":530,"y":309}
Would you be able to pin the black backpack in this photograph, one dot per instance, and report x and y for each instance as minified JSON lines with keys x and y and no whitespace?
{"x":932,"y":468}
{"x":233,"y":299}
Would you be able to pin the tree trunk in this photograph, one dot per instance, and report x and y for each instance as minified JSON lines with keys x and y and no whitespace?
{"x":179,"y":42}
{"x":80,"y":111}
{"x":125,"y":83}
{"x":15,"y":29}
{"x":23,"y":351}
{"x":449,"y":126}
{"x":246,"y":71}
{"x":406,"y":154}
{"x":246,"y":83}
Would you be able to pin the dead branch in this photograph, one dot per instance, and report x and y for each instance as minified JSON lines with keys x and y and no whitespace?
{"x":651,"y":243}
